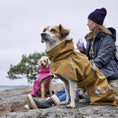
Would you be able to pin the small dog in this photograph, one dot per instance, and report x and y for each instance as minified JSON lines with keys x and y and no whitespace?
{"x":45,"y":62}
{"x":42,"y":84}
{"x":74,"y":68}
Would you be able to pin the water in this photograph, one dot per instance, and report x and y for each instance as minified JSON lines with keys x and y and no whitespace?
{"x":7,"y":84}
{"x":6,"y":87}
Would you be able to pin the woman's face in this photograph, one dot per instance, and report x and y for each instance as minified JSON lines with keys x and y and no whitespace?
{"x":91,"y":25}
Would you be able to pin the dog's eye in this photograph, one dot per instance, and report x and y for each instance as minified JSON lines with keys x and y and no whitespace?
{"x":53,"y":31}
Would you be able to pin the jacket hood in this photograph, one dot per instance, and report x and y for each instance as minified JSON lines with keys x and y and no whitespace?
{"x":113,"y":31}
{"x":61,"y":51}
{"x":102,"y":34}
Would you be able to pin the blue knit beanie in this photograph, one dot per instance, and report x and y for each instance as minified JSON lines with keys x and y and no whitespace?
{"x":98,"y":16}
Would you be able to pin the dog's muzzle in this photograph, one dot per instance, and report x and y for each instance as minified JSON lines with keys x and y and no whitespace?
{"x":44,"y":37}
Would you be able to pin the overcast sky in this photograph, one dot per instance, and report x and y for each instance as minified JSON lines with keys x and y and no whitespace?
{"x":22,"y":21}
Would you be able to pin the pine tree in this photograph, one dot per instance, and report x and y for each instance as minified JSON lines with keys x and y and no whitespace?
{"x":27,"y":67}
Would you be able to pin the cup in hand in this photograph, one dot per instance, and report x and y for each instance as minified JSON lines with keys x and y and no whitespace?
{"x":81,"y":46}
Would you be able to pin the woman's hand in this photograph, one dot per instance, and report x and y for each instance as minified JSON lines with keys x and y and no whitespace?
{"x":80,"y":46}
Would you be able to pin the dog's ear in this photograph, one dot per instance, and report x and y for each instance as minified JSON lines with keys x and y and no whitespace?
{"x":64,"y":32}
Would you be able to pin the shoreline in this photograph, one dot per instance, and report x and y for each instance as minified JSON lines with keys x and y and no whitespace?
{"x":10,"y":87}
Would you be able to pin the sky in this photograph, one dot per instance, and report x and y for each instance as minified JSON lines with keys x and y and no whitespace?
{"x":22,"y":21}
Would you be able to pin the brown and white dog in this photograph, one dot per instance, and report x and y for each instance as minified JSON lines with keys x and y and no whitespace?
{"x":75,"y":69}
{"x":53,"y":36}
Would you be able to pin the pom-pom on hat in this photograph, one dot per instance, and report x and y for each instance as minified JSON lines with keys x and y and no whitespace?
{"x":98,"y":16}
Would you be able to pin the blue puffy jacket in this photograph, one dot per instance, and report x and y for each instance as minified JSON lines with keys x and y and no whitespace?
{"x":104,"y":51}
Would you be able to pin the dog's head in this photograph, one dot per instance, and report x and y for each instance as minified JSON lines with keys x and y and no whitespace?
{"x":44,"y":61}
{"x":53,"y":33}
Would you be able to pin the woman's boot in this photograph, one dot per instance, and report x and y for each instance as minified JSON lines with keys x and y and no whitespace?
{"x":35,"y":104}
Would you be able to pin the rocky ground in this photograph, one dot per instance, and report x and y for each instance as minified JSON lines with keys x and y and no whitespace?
{"x":12,"y":106}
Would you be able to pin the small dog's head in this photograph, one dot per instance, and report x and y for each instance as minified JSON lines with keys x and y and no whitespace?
{"x":53,"y":33}
{"x":44,"y":61}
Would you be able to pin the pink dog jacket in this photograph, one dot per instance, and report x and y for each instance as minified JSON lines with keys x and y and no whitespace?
{"x":44,"y":73}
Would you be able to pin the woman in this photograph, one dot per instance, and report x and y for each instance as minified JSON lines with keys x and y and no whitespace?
{"x":100,"y":48}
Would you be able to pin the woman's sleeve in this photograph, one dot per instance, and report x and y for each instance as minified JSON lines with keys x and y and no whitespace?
{"x":104,"y":52}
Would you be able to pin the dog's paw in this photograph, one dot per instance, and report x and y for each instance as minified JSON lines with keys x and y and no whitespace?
{"x":70,"y":106}
{"x":64,"y":103}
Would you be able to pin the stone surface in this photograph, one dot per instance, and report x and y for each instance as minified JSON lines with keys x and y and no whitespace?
{"x":12,"y":106}
{"x":83,"y":110}
{"x":14,"y":100}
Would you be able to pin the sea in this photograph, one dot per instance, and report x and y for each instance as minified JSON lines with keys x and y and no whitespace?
{"x":8,"y":87}
{"x":19,"y":84}
{"x":7,"y":84}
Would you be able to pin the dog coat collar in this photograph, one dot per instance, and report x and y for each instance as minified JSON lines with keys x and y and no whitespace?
{"x":61,"y":51}
{"x":44,"y":69}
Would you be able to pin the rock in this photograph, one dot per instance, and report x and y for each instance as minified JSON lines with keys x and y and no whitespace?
{"x":114,"y":85}
{"x":14,"y":100}
{"x":81,"y":111}
{"x":12,"y":106}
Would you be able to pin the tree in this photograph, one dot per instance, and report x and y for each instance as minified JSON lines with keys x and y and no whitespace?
{"x":27,"y":67}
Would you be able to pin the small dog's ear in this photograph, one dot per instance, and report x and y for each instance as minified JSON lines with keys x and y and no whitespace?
{"x":64,"y":32}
